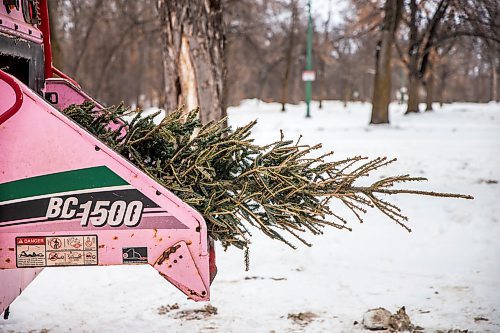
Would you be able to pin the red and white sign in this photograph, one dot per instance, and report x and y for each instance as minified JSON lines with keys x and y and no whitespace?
{"x":43,"y":251}
{"x":30,"y":241}
{"x":308,"y":76}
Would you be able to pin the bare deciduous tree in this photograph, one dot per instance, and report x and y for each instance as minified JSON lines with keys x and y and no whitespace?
{"x":289,"y":53}
{"x":194,"y":56}
{"x":382,"y":82}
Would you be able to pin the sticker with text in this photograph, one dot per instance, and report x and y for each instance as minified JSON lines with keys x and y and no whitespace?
{"x":44,"y":251}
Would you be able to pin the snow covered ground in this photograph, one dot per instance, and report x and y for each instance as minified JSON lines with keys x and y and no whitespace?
{"x":446,"y":272}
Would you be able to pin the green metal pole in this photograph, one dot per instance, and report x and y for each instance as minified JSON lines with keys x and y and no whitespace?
{"x":309,"y":60}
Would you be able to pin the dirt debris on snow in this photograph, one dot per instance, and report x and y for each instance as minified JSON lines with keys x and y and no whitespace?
{"x":197,"y":314}
{"x":400,"y":321}
{"x":164,"y":309}
{"x":188,"y":314}
{"x":376,"y":319}
{"x":382,"y":319}
{"x":487,"y":181}
{"x":302,"y":318}
{"x":265,"y":278}
{"x":43,"y":330}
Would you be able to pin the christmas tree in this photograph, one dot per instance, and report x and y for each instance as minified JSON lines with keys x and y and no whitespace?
{"x":279,"y":188}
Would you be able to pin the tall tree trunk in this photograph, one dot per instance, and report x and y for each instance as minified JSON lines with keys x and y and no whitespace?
{"x":194,"y":56}
{"x":382,"y":81}
{"x":289,"y":55}
{"x":443,"y":77}
{"x":413,"y":93}
{"x":494,"y":80}
{"x":429,"y":83}
{"x":420,"y":50}
{"x":413,"y":55}
{"x":57,"y":58}
{"x":429,"y":92}
{"x":322,"y":82}
{"x":346,"y":94}
{"x":324,"y":55}
{"x":141,"y":85}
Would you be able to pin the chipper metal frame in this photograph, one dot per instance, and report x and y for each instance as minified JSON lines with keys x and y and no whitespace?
{"x":66,"y":199}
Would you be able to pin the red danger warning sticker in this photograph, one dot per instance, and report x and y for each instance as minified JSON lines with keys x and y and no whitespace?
{"x":30,"y":240}
{"x":43,"y":251}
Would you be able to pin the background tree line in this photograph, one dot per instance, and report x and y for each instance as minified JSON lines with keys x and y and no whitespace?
{"x":439,"y":50}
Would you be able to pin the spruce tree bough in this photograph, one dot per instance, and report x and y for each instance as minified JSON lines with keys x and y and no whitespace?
{"x":237,"y":185}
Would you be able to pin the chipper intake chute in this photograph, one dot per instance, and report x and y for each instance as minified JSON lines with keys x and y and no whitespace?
{"x":66,"y":199}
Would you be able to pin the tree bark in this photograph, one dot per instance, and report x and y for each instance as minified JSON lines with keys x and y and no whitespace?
{"x":324,"y":55}
{"x":289,"y":55}
{"x":382,"y":81}
{"x":429,"y":92}
{"x":429,"y":83}
{"x":321,"y":81}
{"x":194,"y":56}
{"x":443,"y":77}
{"x":420,"y":50}
{"x":494,"y":81}
{"x":413,"y":94}
{"x":346,"y":95}
{"x":413,"y":56}
{"x":57,"y":58}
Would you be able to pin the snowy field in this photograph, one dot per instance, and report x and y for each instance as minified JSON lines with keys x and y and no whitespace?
{"x":446,"y":272}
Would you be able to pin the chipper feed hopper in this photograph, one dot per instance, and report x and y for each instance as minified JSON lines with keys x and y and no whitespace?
{"x":66,"y":199}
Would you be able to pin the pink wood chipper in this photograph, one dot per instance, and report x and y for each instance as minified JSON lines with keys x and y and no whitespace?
{"x":66,"y":199}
